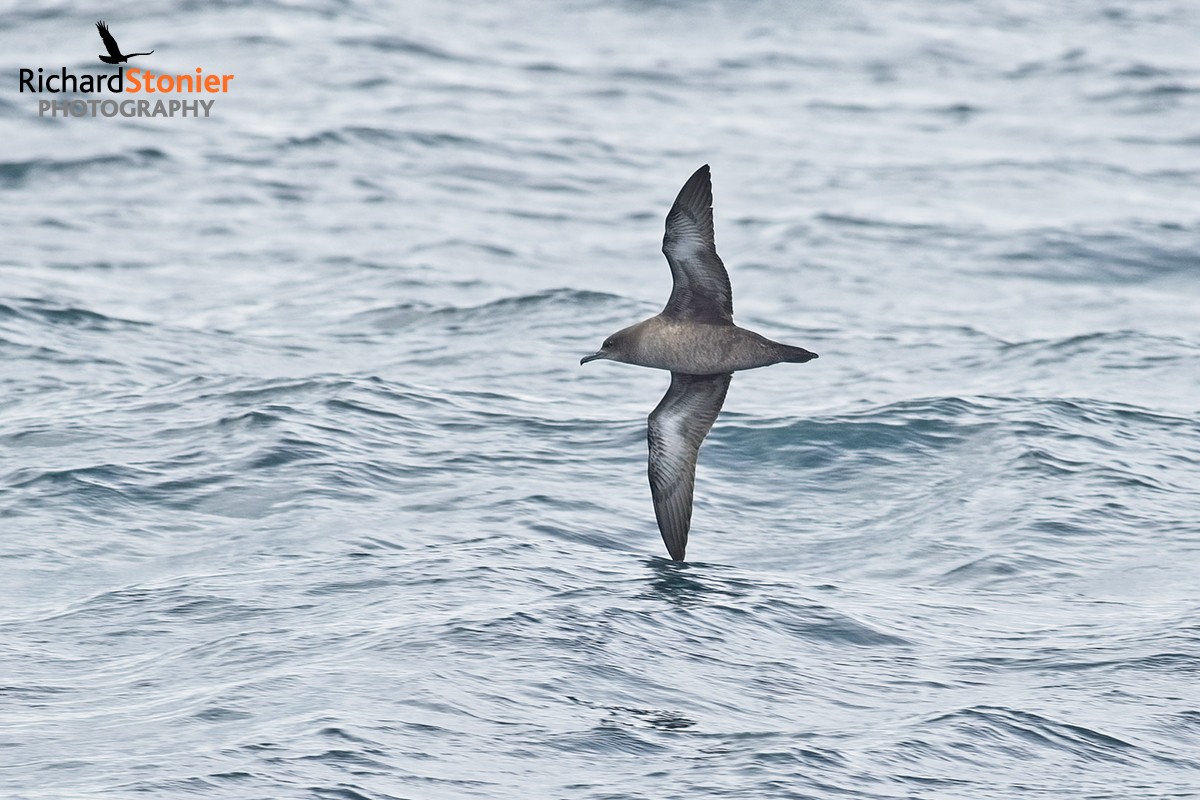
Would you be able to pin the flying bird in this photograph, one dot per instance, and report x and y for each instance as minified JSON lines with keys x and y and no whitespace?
{"x":695,"y":338}
{"x":114,"y":52}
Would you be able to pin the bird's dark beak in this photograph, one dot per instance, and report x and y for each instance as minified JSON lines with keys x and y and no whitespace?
{"x":592,"y":357}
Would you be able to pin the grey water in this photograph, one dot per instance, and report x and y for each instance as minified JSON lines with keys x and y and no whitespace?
{"x":304,"y":494}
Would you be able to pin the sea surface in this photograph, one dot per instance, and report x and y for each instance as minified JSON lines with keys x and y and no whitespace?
{"x":304,"y":493}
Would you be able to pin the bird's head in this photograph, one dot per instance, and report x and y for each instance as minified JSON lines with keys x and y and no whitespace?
{"x":613,"y":349}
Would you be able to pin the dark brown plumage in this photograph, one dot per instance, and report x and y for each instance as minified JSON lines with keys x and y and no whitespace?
{"x":694,"y":337}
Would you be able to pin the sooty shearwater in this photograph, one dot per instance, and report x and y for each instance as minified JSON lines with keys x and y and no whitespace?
{"x":695,"y":338}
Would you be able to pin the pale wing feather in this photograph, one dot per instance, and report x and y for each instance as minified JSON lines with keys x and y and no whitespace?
{"x":676,"y":429}
{"x":701,"y":290}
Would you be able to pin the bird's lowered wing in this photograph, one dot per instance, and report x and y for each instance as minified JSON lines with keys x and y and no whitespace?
{"x":110,"y":43}
{"x":701,"y":292}
{"x":677,"y":426}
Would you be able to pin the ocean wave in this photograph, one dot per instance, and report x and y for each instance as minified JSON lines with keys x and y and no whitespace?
{"x":304,"y":493}
{"x":16,"y":174}
{"x":393,"y":138}
{"x":999,"y":730}
{"x":410,"y":47}
{"x":1104,"y":257}
{"x":46,"y":311}
{"x":544,"y":307}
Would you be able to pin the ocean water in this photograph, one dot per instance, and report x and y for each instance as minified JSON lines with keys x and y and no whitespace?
{"x":304,"y":494}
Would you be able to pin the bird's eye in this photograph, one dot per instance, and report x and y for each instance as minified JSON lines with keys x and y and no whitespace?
{"x":608,"y":343}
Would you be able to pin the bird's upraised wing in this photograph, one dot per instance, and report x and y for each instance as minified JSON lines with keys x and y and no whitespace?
{"x":110,"y":43}
{"x":677,"y":426}
{"x":701,"y":292}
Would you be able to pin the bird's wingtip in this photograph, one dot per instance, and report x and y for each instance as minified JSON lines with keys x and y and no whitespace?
{"x":695,"y":198}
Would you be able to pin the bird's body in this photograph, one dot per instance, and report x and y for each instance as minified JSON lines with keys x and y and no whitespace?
{"x":695,"y":338}
{"x":698,"y":348}
{"x":115,"y":56}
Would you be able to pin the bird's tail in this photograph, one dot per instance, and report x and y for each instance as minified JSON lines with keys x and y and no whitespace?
{"x":796,"y":355}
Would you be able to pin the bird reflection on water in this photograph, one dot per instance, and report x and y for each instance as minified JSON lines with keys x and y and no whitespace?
{"x":686,"y":583}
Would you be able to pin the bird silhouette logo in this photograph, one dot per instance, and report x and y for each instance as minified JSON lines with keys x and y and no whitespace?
{"x":115,"y":56}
